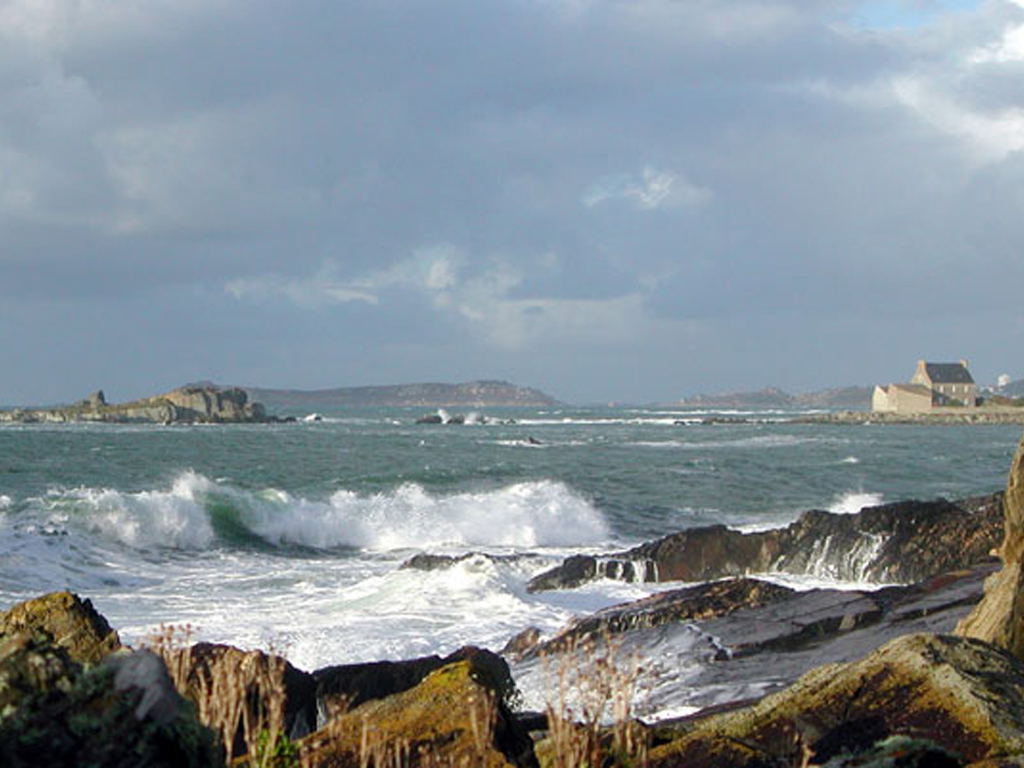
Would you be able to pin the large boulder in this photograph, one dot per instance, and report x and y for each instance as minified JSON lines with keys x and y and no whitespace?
{"x":347,"y":686}
{"x":902,"y":542}
{"x":30,"y":663}
{"x":999,"y":618}
{"x":74,"y":624}
{"x":120,"y":713}
{"x":454,"y":716}
{"x":206,"y":671}
{"x":963,"y":695}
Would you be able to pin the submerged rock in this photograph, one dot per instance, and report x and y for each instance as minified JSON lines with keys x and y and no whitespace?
{"x":73,"y":624}
{"x":962,"y":694}
{"x":902,"y":542}
{"x":454,"y":716}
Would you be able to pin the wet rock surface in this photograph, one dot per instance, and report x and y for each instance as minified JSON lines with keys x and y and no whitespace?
{"x":963,"y":695}
{"x":754,"y":637}
{"x":902,"y":542}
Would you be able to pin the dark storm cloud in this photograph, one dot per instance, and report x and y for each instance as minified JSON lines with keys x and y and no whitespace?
{"x":607,"y":199}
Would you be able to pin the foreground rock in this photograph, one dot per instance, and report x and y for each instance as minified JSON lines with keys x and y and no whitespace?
{"x":344,"y":687}
{"x":202,"y":670}
{"x":727,"y":642}
{"x":121,"y":712}
{"x":72,"y":624}
{"x":185,"y":405}
{"x":999,"y":619}
{"x":964,"y":695}
{"x":454,"y":716}
{"x":902,"y":542}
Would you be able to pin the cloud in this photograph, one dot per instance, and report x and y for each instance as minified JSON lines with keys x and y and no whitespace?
{"x":655,"y":189}
{"x":485,"y":302}
{"x":989,"y":135}
{"x":597,"y":176}
{"x":433,"y":271}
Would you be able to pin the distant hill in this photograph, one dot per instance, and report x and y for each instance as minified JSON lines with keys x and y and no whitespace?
{"x":431,"y":395}
{"x":851,"y":398}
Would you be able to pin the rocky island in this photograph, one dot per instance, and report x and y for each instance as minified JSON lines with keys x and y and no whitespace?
{"x":184,"y":405}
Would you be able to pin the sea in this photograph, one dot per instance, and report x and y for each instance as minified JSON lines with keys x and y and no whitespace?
{"x":293,"y":536}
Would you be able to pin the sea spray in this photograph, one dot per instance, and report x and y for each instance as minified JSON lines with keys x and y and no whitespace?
{"x":852,"y":502}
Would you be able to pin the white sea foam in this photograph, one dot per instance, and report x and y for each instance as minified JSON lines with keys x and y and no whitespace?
{"x":852,"y":502}
{"x":522,"y":515}
{"x":5,"y":501}
{"x":531,"y":514}
{"x":850,"y":460}
{"x":174,"y":518}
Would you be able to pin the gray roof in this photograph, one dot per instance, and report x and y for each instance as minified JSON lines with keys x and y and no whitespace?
{"x":948,"y":373}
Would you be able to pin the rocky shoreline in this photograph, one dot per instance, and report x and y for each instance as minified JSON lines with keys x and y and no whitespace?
{"x":184,"y":405}
{"x":993,"y":415}
{"x":928,"y":673}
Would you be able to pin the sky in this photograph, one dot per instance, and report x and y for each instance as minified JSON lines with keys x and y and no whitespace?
{"x":611,"y":200}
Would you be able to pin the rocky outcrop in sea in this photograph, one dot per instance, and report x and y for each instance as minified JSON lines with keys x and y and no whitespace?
{"x":185,"y":405}
{"x":902,"y":542}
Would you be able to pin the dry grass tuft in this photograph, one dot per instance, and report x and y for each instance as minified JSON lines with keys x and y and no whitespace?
{"x":590,"y":720}
{"x":239,"y":695}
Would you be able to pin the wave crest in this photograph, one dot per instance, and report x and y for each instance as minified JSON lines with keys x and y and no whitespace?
{"x":197,"y":513}
{"x":533,"y":514}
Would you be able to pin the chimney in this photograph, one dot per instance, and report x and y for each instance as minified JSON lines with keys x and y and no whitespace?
{"x":964,"y":363}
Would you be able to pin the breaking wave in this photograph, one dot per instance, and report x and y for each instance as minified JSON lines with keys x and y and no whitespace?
{"x":197,"y":513}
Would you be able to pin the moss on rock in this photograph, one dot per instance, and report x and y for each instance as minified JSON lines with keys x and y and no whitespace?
{"x":964,"y":695}
{"x":454,"y":716}
{"x":122,"y":713}
{"x":74,"y":624}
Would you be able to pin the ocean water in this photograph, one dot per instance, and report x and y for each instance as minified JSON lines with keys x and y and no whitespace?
{"x":293,"y":535}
